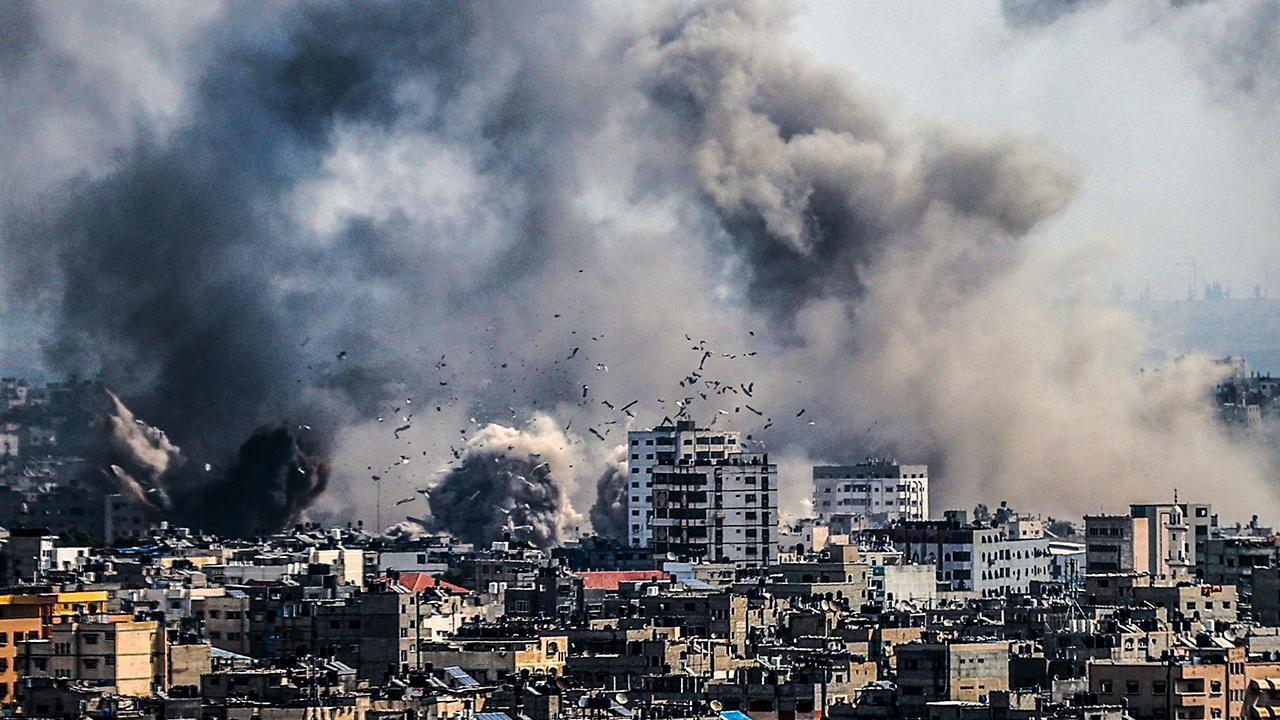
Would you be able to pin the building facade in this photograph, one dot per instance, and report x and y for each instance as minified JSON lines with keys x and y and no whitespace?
{"x":871,"y":494}
{"x":669,"y":444}
{"x":721,"y":510}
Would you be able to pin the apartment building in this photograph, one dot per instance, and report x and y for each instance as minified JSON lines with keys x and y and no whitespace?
{"x":870,"y":494}
{"x":1152,"y":539}
{"x":720,"y":510}
{"x":682,"y":442}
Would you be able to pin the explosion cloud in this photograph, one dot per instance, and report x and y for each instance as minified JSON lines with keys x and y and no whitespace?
{"x":609,"y":512}
{"x":506,"y":210}
{"x":267,"y":486}
{"x":512,"y":485}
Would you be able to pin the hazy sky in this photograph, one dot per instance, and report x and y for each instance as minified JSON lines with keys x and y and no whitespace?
{"x":887,"y":225}
{"x":1170,"y":112}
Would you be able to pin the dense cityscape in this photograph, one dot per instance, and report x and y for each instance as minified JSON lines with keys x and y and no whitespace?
{"x":662,"y":360}
{"x":705,"y":603}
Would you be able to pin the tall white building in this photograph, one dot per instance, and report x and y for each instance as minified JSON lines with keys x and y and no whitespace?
{"x":717,"y":509}
{"x":682,"y":442}
{"x":871,"y":494}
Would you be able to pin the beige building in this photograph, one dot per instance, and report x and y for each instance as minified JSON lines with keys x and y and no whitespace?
{"x":122,"y":655}
{"x":1213,"y":685}
{"x":954,"y":671}
{"x":490,"y":660}
{"x":1153,"y":539}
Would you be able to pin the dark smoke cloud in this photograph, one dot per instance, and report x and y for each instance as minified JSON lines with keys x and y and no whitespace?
{"x":272,"y":480}
{"x":485,"y":207}
{"x":608,"y":513}
{"x":265,"y":487}
{"x":511,"y":485}
{"x":1040,"y":13}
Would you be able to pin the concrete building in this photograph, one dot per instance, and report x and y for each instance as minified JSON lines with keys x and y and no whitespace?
{"x":124,"y":655}
{"x":1152,"y":539}
{"x":720,"y":509}
{"x":28,"y":554}
{"x":953,"y":671}
{"x":1265,"y":600}
{"x":1236,"y":559}
{"x":871,"y":494}
{"x":29,"y":617}
{"x":1201,"y":684}
{"x":668,"y":444}
{"x":988,"y":560}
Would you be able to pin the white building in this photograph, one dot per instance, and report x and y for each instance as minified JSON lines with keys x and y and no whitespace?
{"x":721,"y":510}
{"x":666,"y":445}
{"x":994,"y":564}
{"x":871,"y":494}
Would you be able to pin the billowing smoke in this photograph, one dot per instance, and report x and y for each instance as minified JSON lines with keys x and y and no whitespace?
{"x":1233,"y":46}
{"x":390,"y":221}
{"x":609,"y":512}
{"x":512,"y":484}
{"x":264,"y":488}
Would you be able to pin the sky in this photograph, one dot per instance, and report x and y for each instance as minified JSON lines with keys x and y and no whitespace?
{"x":1175,"y":141}
{"x":419,"y":237}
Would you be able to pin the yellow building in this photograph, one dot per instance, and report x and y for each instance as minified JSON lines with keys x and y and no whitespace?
{"x":28,"y":617}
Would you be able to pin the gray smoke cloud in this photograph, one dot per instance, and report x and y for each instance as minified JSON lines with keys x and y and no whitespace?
{"x":609,"y":511}
{"x":265,"y":487}
{"x":512,"y":484}
{"x":1235,"y":46}
{"x":387,"y":221}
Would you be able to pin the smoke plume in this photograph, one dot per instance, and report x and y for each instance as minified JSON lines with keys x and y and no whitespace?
{"x":264,"y":488}
{"x":609,"y":512}
{"x":390,"y":221}
{"x":511,"y":485}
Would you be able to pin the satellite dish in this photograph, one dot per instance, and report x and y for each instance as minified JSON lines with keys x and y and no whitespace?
{"x":716,"y":706}
{"x":562,"y":683}
{"x":583,"y":701}
{"x":621,"y":698}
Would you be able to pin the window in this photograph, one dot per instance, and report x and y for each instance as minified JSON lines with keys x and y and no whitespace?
{"x":90,"y":663}
{"x":1130,"y":687}
{"x":90,"y":639}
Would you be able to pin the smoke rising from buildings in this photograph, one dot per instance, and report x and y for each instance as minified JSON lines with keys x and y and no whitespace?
{"x":609,"y":511}
{"x":265,"y":487}
{"x":512,"y":484}
{"x":479,"y":206}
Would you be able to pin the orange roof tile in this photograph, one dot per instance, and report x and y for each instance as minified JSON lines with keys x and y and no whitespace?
{"x":611,"y":579}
